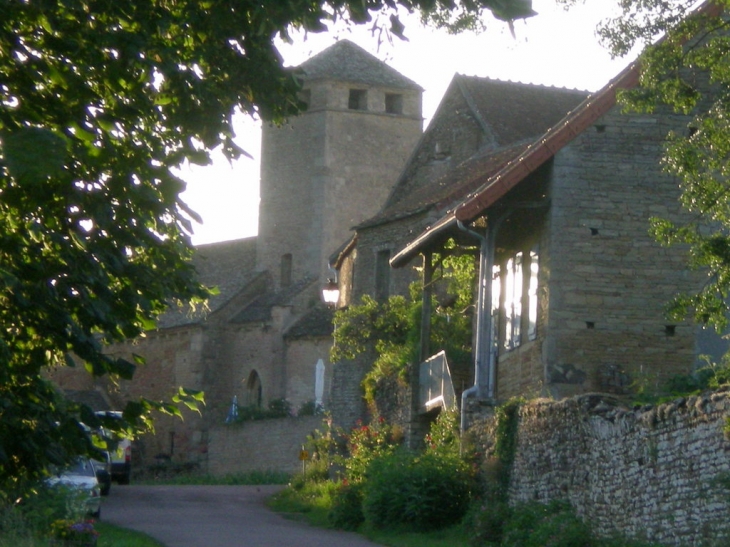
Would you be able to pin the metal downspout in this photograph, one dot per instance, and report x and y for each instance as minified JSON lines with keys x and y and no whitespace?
{"x":484,"y":373}
{"x":486,"y":350}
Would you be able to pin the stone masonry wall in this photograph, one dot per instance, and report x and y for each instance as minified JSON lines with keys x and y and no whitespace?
{"x":610,"y":281}
{"x":264,"y":445}
{"x":658,"y":473}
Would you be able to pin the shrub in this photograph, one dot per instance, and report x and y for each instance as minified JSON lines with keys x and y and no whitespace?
{"x":416,"y":492}
{"x":367,"y":443}
{"x":485,"y":521}
{"x":443,"y":435}
{"x":551,"y":525}
{"x":310,"y":408}
{"x":346,"y":513}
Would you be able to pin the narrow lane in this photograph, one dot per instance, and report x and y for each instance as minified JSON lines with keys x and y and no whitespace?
{"x":215,"y":516}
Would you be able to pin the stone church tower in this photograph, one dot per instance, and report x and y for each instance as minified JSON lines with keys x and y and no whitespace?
{"x":334,"y":165}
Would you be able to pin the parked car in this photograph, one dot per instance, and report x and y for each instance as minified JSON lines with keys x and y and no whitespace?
{"x":103,"y":470}
{"x":121,"y":456}
{"x":81,"y":477}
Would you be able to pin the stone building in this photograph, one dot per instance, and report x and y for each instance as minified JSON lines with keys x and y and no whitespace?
{"x":479,"y":126}
{"x":572,"y":287}
{"x":265,"y":334}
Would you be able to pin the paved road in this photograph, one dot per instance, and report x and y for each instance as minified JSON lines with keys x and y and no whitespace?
{"x":214,"y":516}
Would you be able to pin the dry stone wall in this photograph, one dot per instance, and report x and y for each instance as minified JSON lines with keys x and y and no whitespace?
{"x":657,"y":473}
{"x":264,"y":445}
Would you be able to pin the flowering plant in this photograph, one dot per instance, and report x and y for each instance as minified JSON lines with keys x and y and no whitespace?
{"x":368,"y":442}
{"x":74,"y":531}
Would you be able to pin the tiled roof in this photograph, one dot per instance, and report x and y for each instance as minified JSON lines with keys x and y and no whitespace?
{"x":515,"y":111}
{"x":347,"y":62}
{"x":260,"y":309}
{"x":508,"y":114}
{"x":496,"y":185}
{"x":227,"y":265}
{"x":317,"y":322}
{"x":445,"y":191}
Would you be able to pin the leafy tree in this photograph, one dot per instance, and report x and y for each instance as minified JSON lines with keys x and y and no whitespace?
{"x":687,"y":70}
{"x":99,"y":100}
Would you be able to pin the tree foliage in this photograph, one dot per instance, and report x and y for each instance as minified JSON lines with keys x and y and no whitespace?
{"x":99,"y":101}
{"x":685,"y":67}
{"x":392,"y":327}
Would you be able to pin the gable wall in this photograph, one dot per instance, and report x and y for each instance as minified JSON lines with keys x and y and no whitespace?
{"x":609,"y":280}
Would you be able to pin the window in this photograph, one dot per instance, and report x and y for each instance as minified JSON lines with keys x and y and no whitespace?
{"x":393,"y":103}
{"x":382,"y":275}
{"x":514,"y":299}
{"x":358,"y":99}
{"x":532,"y":296}
{"x":286,"y":262}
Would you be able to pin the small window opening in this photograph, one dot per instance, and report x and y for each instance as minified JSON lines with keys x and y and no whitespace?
{"x":358,"y":99}
{"x":382,"y":275}
{"x":393,"y":103}
{"x":594,"y":231}
{"x":590,"y":325}
{"x":600,"y":128}
{"x":670,"y":330}
{"x":286,"y":264}
{"x":692,"y":131}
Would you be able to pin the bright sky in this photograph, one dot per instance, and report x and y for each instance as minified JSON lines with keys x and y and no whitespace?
{"x":556,"y":48}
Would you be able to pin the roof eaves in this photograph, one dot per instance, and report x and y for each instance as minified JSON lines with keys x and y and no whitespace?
{"x":338,"y":257}
{"x":442,"y":225}
{"x":559,"y":136}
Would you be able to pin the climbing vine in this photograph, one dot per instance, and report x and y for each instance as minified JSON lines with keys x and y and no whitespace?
{"x":391,"y":328}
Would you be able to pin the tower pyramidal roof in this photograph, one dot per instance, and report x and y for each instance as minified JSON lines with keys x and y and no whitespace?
{"x":348,"y":62}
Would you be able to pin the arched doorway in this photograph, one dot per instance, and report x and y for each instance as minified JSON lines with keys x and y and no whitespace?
{"x":254,"y":391}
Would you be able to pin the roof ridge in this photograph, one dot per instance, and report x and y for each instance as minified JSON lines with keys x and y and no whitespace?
{"x":347,"y":61}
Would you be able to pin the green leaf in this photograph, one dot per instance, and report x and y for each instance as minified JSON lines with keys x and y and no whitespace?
{"x":34,"y":154}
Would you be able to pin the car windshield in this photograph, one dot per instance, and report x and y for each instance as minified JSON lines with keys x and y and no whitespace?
{"x":81,"y":467}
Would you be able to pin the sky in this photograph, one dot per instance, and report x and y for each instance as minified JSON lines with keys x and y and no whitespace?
{"x":555,"y":48}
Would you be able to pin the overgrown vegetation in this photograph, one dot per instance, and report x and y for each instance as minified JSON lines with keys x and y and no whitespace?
{"x":711,"y":376}
{"x":392,"y":327}
{"x":59,"y":512}
{"x":365,"y":480}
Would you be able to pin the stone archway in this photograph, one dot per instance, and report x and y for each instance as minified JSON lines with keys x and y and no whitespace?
{"x":254,"y":390}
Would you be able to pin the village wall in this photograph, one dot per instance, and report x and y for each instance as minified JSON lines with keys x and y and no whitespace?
{"x":656,"y":473}
{"x":264,"y":445}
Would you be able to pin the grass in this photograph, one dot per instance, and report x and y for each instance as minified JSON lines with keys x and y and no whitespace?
{"x":450,"y":537}
{"x":312,"y":503}
{"x":109,"y":536}
{"x":253,"y":478}
{"x":114,"y":536}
